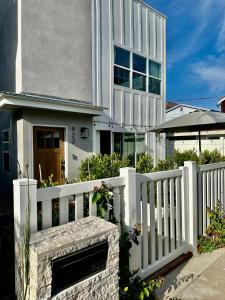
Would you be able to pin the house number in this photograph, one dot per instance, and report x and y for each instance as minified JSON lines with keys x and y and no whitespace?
{"x":73,"y":135}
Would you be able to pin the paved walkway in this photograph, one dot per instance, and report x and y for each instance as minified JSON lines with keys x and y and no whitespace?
{"x":201,"y":278}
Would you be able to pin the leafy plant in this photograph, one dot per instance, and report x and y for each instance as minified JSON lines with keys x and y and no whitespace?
{"x":48,"y":182}
{"x":209,"y":157}
{"x":181,"y":157}
{"x":141,"y":290}
{"x":102,"y":166}
{"x":103,"y":198}
{"x":164,"y":165}
{"x":215,"y":233}
{"x":144,"y":164}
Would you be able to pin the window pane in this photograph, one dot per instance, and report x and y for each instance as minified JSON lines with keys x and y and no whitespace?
{"x":140,"y":143}
{"x":48,"y":140}
{"x":121,"y":77}
{"x":6,"y":162}
{"x":121,"y":57}
{"x":56,"y":139}
{"x":139,"y":63}
{"x":118,"y":143}
{"x":6,"y":136}
{"x":154,"y":69}
{"x":139,"y":82}
{"x":154,"y":86}
{"x":129,"y":147}
{"x":40,"y":140}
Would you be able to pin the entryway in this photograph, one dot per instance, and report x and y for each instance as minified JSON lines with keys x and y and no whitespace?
{"x":49,"y":153}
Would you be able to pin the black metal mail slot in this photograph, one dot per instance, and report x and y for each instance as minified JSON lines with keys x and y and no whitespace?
{"x":75,"y":267}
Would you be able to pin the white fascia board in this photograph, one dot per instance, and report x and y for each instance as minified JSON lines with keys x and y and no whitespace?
{"x":57,"y":105}
{"x":221,"y":100}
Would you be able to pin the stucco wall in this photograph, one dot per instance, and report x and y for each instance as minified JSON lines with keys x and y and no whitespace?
{"x":74,"y":153}
{"x":8,"y":44}
{"x":56,"y":48}
{"x":7,"y":122}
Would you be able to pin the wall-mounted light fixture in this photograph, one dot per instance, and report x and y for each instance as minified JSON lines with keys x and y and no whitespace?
{"x":84,"y":132}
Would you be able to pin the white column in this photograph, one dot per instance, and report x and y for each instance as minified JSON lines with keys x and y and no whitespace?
{"x":130,"y":216}
{"x":192,"y":204}
{"x":24,"y":190}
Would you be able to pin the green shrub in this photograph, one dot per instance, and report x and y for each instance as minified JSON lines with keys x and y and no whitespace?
{"x":164,"y":165}
{"x":145,"y":163}
{"x":215,"y":233}
{"x":102,"y":166}
{"x":181,"y":157}
{"x":210,"y":157}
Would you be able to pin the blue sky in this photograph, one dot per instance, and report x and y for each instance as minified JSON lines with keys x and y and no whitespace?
{"x":195,"y":49}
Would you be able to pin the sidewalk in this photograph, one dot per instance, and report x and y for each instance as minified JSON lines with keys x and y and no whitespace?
{"x":202,"y":277}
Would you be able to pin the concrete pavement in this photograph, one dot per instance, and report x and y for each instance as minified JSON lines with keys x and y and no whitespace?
{"x":202,"y":277}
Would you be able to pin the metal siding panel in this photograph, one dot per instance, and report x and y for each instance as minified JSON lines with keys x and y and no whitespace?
{"x":143,"y":110}
{"x":117,"y":21}
{"x":127,"y":108}
{"x":145,"y":30}
{"x":117,"y":105}
{"x":152,"y":111}
{"x":152,"y":35}
{"x":159,"y":38}
{"x":136,"y":26}
{"x":158,"y":111}
{"x":106,"y":53}
{"x":127,"y":23}
{"x":136,"y":101}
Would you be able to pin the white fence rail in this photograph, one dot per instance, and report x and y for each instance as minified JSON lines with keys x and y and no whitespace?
{"x":170,"y":206}
{"x":211,"y":184}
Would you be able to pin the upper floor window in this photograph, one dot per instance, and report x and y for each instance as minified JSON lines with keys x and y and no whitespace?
{"x":136,"y":72}
{"x":5,"y":150}
{"x":122,"y":57}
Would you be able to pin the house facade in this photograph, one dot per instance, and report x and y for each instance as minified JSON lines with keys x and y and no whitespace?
{"x":77,"y":79}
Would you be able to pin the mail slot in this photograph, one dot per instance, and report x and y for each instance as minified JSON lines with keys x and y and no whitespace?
{"x":73,"y":268}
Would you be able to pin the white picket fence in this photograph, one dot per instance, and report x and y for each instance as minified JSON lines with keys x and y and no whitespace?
{"x":170,"y":207}
{"x":211,"y":185}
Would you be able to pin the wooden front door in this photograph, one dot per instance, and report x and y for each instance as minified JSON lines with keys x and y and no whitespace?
{"x":49,"y":153}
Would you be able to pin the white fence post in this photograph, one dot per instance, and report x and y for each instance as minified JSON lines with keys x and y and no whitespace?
{"x":130,"y":218}
{"x":22,"y":190}
{"x":184,"y":207}
{"x":192,"y":204}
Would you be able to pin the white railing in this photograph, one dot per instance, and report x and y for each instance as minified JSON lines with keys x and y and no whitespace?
{"x":211,"y":184}
{"x":170,"y":206}
{"x":161,"y":212}
{"x":58,"y":205}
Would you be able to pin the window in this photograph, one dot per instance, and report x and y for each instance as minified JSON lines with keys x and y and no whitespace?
{"x":154,"y":82}
{"x":136,"y":72}
{"x":121,"y":57}
{"x":139,"y":82}
{"x":129,"y":145}
{"x":6,"y":150}
{"x":122,"y":67}
{"x":139,"y":63}
{"x":121,"y":77}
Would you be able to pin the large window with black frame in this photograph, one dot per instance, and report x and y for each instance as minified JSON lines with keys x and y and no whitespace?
{"x":137,"y":72}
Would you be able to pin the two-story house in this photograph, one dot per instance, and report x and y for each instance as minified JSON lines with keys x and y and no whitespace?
{"x":78,"y":77}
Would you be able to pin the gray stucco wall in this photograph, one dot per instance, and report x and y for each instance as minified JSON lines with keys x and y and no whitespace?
{"x":6,"y":187}
{"x":8,"y":44}
{"x":74,"y":152}
{"x":56,"y":48}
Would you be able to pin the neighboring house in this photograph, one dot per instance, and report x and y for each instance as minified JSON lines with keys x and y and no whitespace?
{"x":80,"y":77}
{"x":221,"y":103}
{"x":210,"y":140}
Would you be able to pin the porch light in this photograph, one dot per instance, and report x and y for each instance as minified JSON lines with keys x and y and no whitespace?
{"x":84,"y":132}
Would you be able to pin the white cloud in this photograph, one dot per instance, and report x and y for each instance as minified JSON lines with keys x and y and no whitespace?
{"x":198,"y":30}
{"x":211,"y":72}
{"x":220,"y":44}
